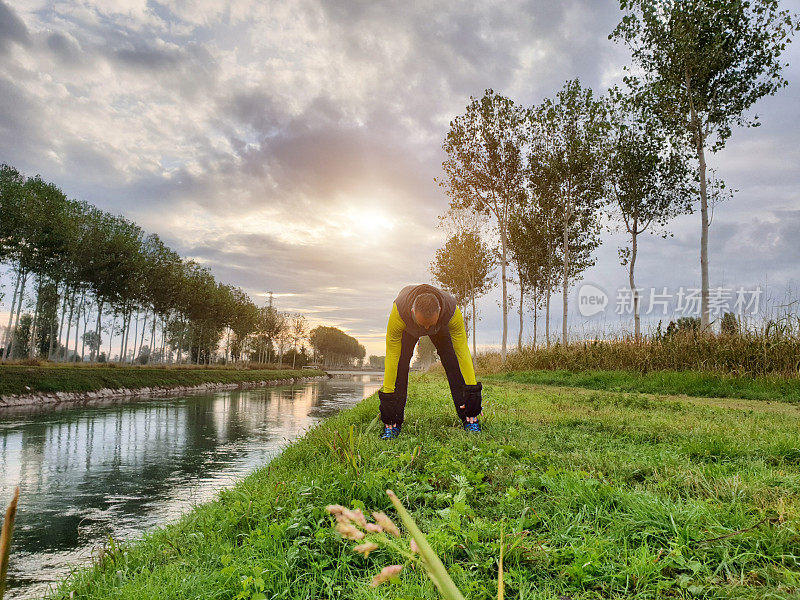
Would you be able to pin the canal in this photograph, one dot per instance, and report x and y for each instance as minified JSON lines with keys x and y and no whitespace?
{"x":118,"y":469}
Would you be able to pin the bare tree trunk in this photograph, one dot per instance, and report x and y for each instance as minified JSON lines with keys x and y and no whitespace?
{"x":85,"y":328}
{"x":111,"y":336}
{"x":35,"y":322}
{"x":3,"y":352}
{"x":153,"y":337}
{"x":69,"y":325}
{"x":78,"y":325}
{"x":135,"y":338}
{"x":180,"y":341}
{"x":565,"y":281}
{"x":144,"y":328}
{"x":199,"y":343}
{"x":521,"y":298}
{"x":705,"y":317}
{"x":123,"y":332}
{"x":535,"y":320}
{"x":125,"y":335}
{"x":547,"y":317}
{"x":63,"y":314}
{"x":18,"y":312}
{"x":634,"y":291}
{"x":96,"y":348}
{"x":505,"y":292}
{"x":161,"y":346}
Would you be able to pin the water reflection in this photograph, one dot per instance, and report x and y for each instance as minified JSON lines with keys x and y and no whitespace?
{"x":116,"y":470}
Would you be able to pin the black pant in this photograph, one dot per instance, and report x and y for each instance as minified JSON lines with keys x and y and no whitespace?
{"x":444,"y":348}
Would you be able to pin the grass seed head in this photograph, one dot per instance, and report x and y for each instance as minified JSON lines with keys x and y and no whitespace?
{"x":356,"y":516}
{"x":386,"y":574}
{"x":386,"y":523}
{"x":366,"y":548}
{"x":373,"y":528}
{"x":413,"y":546}
{"x":338,"y":511}
{"x":350,"y":532}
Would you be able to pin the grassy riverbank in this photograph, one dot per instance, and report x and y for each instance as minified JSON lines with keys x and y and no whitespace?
{"x":602,"y":495}
{"x":689,"y":383}
{"x":15,"y":379}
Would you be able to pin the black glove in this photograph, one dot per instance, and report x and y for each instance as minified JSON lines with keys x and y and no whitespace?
{"x":392,"y":407}
{"x":472,"y":401}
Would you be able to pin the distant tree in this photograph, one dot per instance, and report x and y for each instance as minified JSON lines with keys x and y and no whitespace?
{"x":335,"y":347}
{"x":729,"y":324}
{"x":298,"y":328}
{"x":377,"y":362}
{"x":534,"y":236}
{"x":685,"y":325}
{"x":464,"y":267}
{"x":299,"y":357}
{"x":426,"y":352}
{"x":85,"y":265}
{"x":704,"y":64}
{"x":21,"y":338}
{"x":566,"y":165}
{"x":360,"y":355}
{"x":144,"y":355}
{"x":93,"y":340}
{"x":271,"y":324}
{"x":484,"y":169}
{"x":648,"y":181}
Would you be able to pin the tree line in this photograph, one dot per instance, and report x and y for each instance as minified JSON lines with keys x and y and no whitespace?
{"x":78,"y":268}
{"x":546,"y":178}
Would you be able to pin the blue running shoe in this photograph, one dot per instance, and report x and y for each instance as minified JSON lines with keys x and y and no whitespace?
{"x":389,"y":432}
{"x":472,"y":427}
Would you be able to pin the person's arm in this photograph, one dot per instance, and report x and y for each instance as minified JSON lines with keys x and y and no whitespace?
{"x":394,"y":336}
{"x":458,"y":333}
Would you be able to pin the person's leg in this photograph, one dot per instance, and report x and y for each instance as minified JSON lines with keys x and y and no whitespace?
{"x":393,"y":404}
{"x":455,"y":378}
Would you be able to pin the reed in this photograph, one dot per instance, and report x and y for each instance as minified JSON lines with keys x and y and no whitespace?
{"x":772,"y":351}
{"x":5,"y":540}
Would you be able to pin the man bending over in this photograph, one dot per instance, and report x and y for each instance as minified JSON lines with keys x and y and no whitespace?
{"x":426,"y":310}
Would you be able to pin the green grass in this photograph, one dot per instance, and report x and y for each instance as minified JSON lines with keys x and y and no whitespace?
{"x":601,"y":495}
{"x":689,"y":383}
{"x":30,"y":380}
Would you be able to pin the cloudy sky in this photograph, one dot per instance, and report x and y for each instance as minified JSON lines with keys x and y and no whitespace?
{"x":291,"y":146}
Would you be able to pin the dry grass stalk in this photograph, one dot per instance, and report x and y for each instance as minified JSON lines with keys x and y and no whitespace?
{"x":5,"y":540}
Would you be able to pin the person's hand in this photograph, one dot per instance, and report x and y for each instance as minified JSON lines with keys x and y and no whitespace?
{"x":470,"y":419}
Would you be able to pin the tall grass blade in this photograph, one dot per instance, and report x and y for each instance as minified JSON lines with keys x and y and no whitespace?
{"x":500,"y":584}
{"x":435,"y":568}
{"x":5,"y":540}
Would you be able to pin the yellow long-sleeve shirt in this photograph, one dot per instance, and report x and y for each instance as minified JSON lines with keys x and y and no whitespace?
{"x":394,"y":336}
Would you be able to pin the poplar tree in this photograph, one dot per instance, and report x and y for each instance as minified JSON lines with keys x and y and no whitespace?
{"x":566,"y":166}
{"x":465,"y":268}
{"x":648,"y":181}
{"x":484,"y":169}
{"x":704,"y":64}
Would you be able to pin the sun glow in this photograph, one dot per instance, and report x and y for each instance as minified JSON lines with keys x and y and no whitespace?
{"x":365,"y":223}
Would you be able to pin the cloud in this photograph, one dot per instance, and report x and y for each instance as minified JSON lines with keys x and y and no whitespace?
{"x":292,"y":146}
{"x":12,"y":28}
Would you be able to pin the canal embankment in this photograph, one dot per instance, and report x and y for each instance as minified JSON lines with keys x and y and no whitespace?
{"x":590,"y":492}
{"x":40,"y":385}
